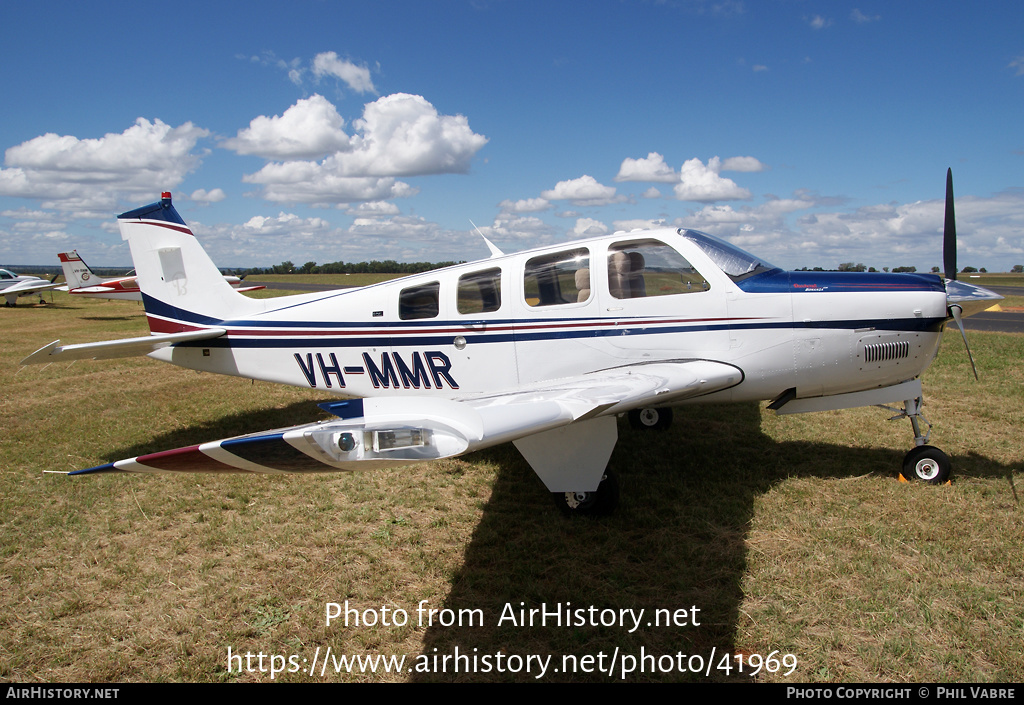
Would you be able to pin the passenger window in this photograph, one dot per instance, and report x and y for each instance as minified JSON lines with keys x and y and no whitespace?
{"x":650,"y":268}
{"x":419,"y":302}
{"x":480,"y":292}
{"x":560,"y":278}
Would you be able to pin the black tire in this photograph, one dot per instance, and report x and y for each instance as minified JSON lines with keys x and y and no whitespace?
{"x":927,"y":464}
{"x":600,"y":502}
{"x":650,"y":418}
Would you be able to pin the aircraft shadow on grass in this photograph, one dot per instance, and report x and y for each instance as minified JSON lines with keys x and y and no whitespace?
{"x":678,"y":541}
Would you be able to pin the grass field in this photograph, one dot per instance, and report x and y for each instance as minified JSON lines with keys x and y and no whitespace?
{"x":790,"y":535}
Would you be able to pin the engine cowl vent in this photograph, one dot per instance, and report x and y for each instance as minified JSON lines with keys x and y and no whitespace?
{"x":892,"y":350}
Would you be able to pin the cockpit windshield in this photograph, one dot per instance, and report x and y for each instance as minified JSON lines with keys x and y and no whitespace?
{"x":738,"y":264}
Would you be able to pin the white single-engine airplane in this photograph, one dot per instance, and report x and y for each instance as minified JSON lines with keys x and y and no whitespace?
{"x":81,"y":281}
{"x":12,"y":286}
{"x":543,"y":348}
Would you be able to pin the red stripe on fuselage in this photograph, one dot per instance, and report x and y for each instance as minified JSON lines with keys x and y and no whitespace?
{"x":613,"y":323}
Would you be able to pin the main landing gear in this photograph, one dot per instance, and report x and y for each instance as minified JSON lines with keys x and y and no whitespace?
{"x":600,"y":502}
{"x":924,"y":462}
{"x":651,"y":418}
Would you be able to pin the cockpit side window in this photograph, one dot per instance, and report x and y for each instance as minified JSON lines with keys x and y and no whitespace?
{"x":419,"y":301}
{"x":738,"y":264}
{"x":559,"y":278}
{"x":642,"y":268}
{"x":479,"y":292}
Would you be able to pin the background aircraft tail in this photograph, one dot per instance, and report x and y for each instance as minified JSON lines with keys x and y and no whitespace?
{"x":182,"y":289}
{"x":76,"y":272}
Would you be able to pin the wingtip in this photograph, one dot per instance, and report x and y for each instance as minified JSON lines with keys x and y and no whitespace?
{"x":109,"y":467}
{"x":41,"y":354}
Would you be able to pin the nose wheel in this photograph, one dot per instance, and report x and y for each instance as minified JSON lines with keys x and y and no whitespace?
{"x":924,"y":463}
{"x":927,"y":464}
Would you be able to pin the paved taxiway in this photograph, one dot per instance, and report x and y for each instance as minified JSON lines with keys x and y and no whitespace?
{"x":998,"y":321}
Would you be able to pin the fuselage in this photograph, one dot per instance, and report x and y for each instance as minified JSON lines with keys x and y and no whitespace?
{"x":577,"y":307}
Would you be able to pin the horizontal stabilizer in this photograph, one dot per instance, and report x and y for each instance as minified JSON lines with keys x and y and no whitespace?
{"x":109,"y":349}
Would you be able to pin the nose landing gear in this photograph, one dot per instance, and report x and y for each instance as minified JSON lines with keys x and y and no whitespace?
{"x":924,"y":462}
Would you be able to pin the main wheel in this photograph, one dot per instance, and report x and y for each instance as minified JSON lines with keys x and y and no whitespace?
{"x":927,"y":464}
{"x":650,"y":418}
{"x":600,"y":502}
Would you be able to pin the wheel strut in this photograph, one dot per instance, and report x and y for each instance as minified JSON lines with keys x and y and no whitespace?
{"x":924,"y":462}
{"x":912,"y":410}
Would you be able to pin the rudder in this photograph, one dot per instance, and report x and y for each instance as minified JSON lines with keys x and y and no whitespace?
{"x":182,"y":289}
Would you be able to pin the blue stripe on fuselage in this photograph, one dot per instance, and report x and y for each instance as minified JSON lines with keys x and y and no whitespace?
{"x":778,"y":281}
{"x":255,"y":340}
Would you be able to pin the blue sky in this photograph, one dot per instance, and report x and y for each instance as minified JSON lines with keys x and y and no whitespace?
{"x":811,"y":133}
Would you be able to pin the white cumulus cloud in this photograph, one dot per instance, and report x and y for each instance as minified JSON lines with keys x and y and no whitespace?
{"x":649,"y":168}
{"x":356,"y":77}
{"x":72,"y":174}
{"x":584,"y":191}
{"x":374,"y":209}
{"x":398,"y":135}
{"x":703,"y":184}
{"x":403,"y":135}
{"x":318,"y":184}
{"x":525,"y":205}
{"x":588,"y":227}
{"x":309,"y":129}
{"x":749,"y":164}
{"x":213,"y":196}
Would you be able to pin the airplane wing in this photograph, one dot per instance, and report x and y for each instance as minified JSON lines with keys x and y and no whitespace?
{"x":97,"y":289}
{"x":24,"y":288}
{"x":565,"y":429}
{"x":109,"y":349}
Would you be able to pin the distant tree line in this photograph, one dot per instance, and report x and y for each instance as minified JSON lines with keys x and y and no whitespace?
{"x":851,"y":267}
{"x":388,"y":266}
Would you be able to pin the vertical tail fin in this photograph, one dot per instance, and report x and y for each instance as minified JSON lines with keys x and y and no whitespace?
{"x":76,"y":272}
{"x":182,"y":289}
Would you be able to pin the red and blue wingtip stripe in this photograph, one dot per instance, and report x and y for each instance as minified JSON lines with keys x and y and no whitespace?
{"x":256,"y":453}
{"x":109,"y":467}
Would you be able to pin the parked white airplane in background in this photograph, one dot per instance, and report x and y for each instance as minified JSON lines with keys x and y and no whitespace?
{"x":543,"y":348}
{"x":12,"y":286}
{"x":81,"y":281}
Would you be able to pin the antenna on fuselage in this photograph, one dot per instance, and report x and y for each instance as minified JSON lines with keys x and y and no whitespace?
{"x":495,"y":252}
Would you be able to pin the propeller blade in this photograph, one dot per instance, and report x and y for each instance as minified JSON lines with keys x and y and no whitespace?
{"x":956,"y":311}
{"x":949,"y":231}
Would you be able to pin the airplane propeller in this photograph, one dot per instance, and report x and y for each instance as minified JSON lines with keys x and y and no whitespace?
{"x":949,"y":264}
{"x":949,"y":231}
